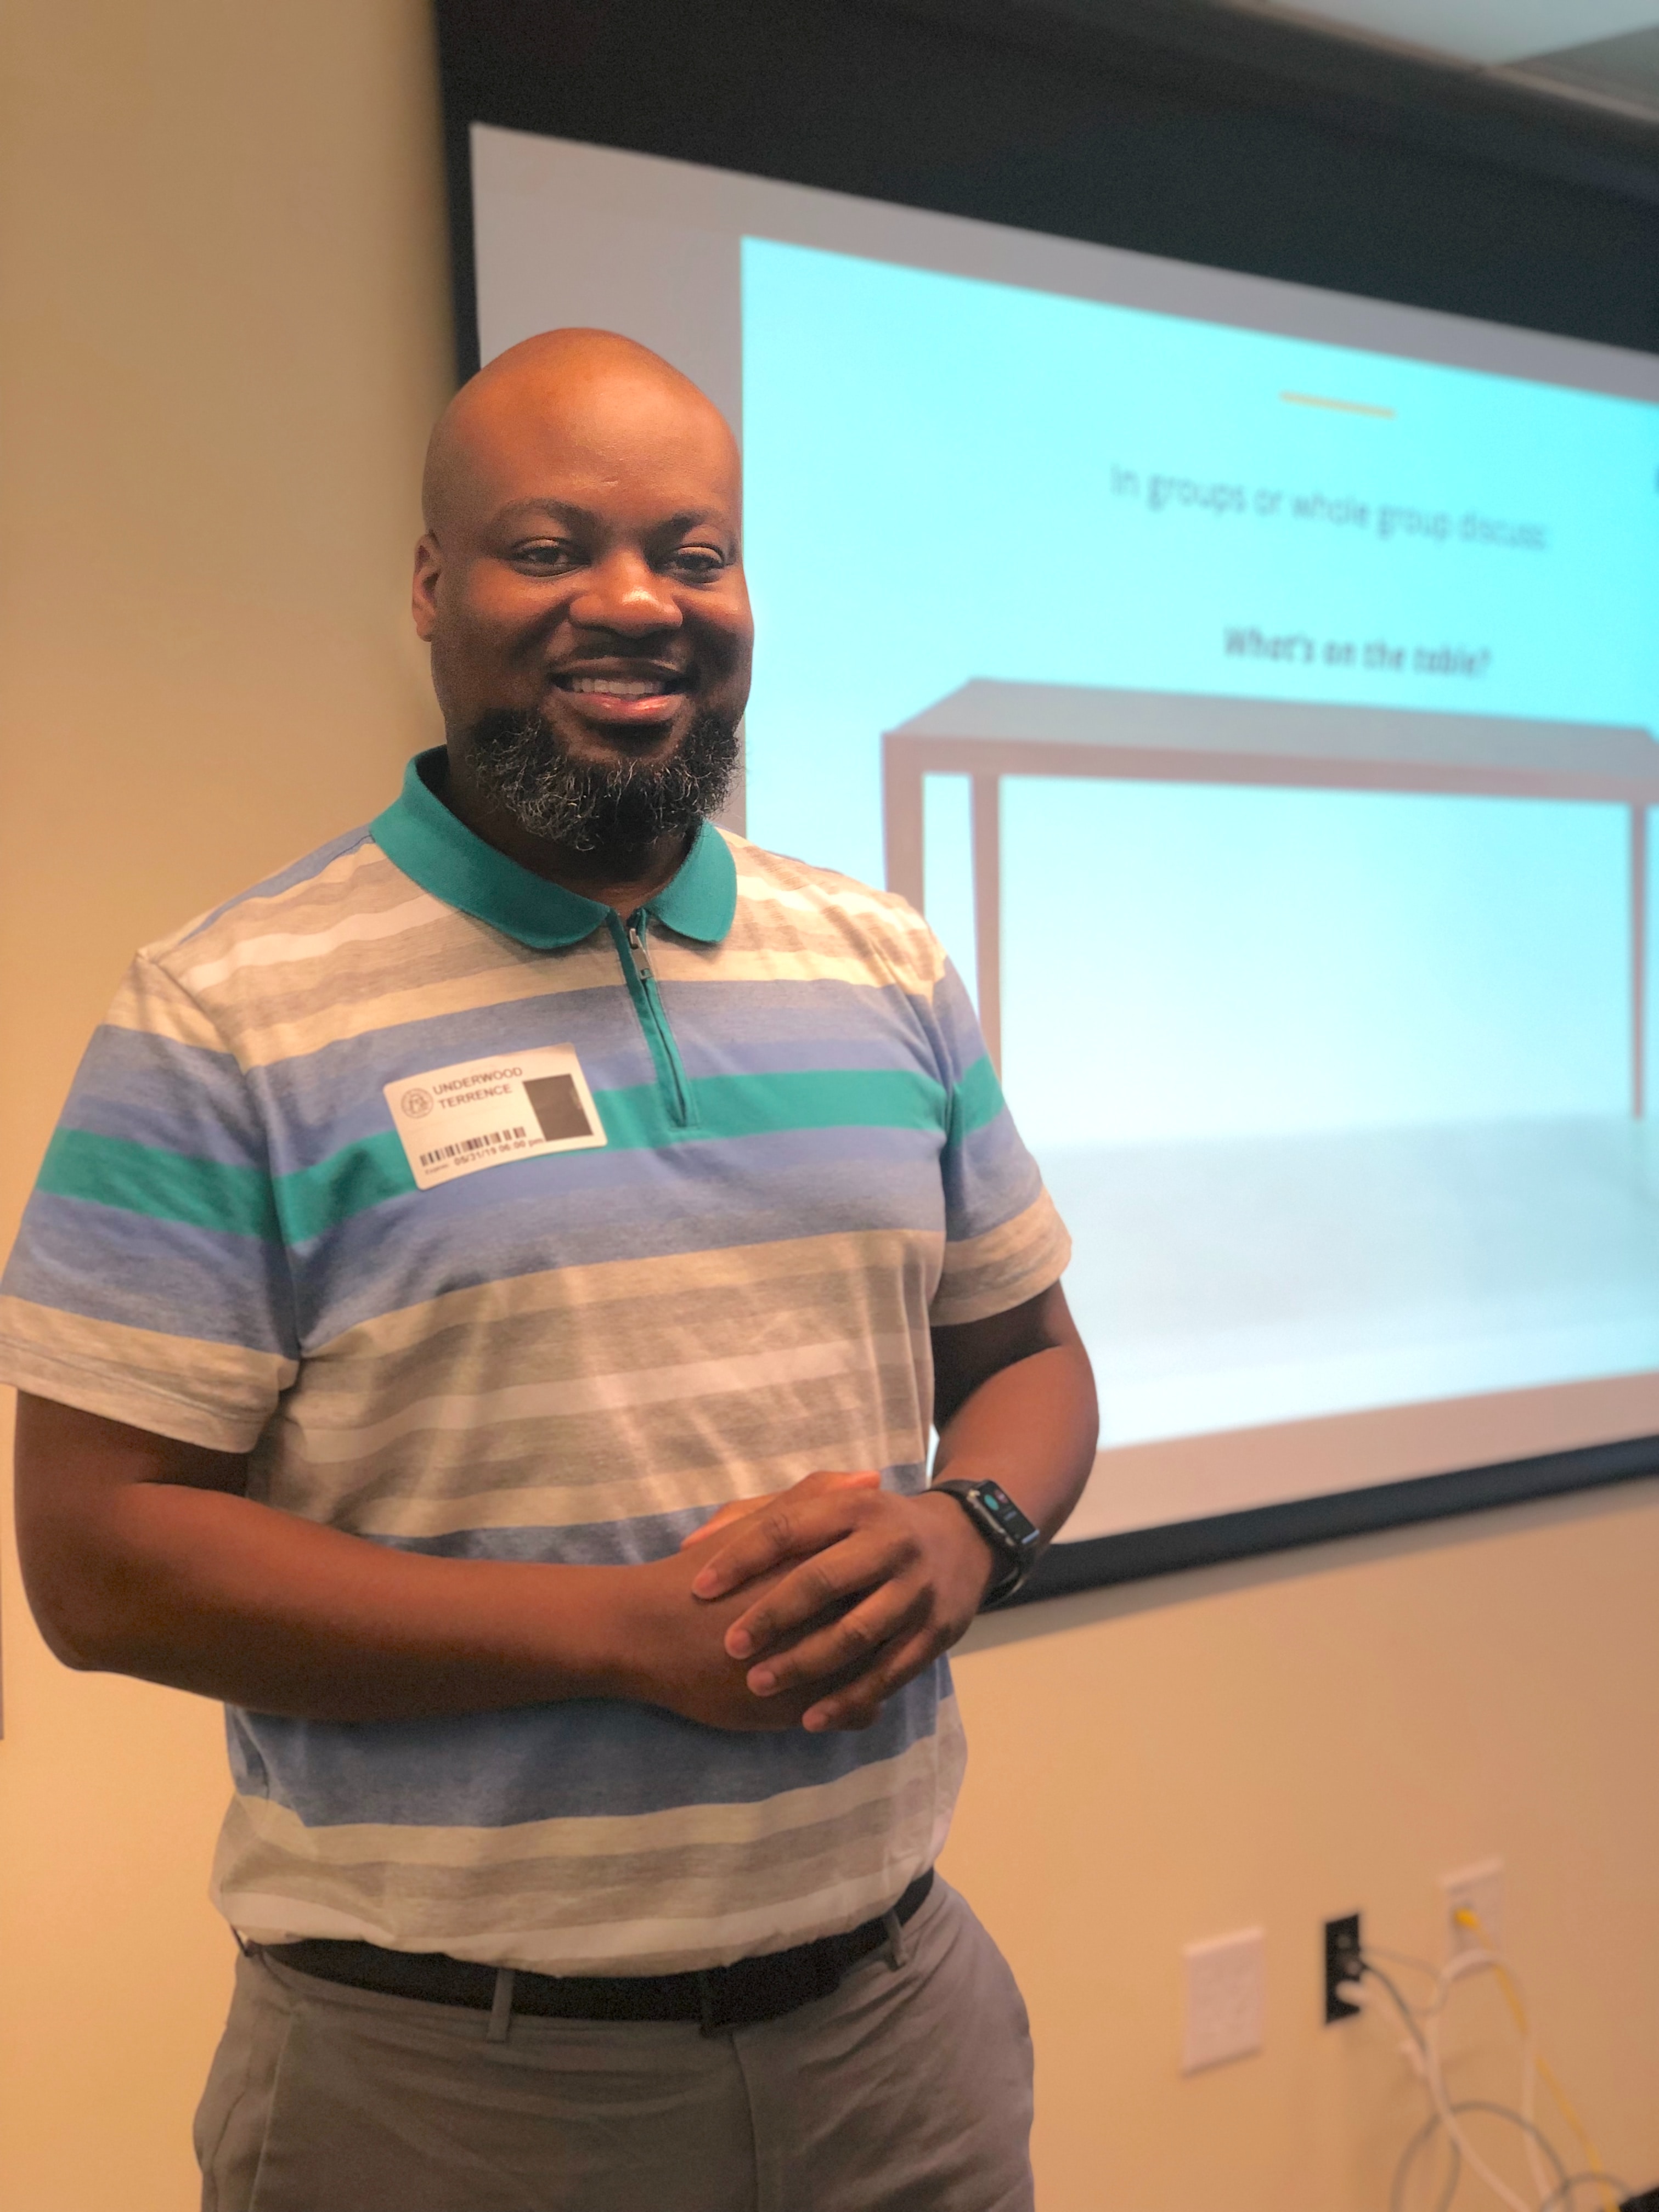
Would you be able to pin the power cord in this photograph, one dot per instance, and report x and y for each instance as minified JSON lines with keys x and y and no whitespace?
{"x":1431,"y":2127}
{"x":1467,"y":1917}
{"x":1424,"y":2048}
{"x":1556,"y":2189}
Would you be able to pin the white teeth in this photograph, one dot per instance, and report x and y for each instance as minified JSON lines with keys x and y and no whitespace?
{"x":615,"y":687}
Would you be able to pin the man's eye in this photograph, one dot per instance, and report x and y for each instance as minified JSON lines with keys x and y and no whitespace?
{"x":545,"y":554}
{"x":697,"y":560}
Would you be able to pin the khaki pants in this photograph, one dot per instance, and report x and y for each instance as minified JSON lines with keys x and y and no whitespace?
{"x":907,"y":2090}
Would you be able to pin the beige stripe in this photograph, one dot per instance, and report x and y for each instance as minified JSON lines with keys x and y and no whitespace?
{"x":609,"y":1466}
{"x":286,"y":946}
{"x":775,"y":964}
{"x":121,"y":1398}
{"x":607,"y":1394}
{"x":342,"y":879}
{"x":123,"y":1348}
{"x":267,"y":1013}
{"x":220,"y":1395}
{"x":633,"y":1946}
{"x":599,"y":1890}
{"x":348,"y":1399}
{"x":426,"y":962}
{"x":570,"y":1442}
{"x":518,"y":975}
{"x":694,"y":1886}
{"x":874,"y":1256}
{"x":151,"y":1002}
{"x":413,"y":1506}
{"x":988,"y":1274}
{"x":824,"y":900}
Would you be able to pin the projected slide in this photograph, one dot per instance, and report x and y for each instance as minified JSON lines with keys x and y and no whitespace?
{"x":1256,"y":689}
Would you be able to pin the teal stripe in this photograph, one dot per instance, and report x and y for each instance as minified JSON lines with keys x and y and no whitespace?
{"x":976,"y":1099}
{"x":820,"y":1099}
{"x":294,"y":1208}
{"x":166,"y":1185}
{"x":357,"y":1176}
{"x":730,"y":1106}
{"x":314,"y":1200}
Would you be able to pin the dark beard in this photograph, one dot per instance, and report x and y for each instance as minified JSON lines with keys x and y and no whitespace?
{"x":519,"y":761}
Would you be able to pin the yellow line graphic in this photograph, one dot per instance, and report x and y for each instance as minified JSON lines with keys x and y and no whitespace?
{"x":1339,"y":406}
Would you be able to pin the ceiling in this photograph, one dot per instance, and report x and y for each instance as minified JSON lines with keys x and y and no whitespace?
{"x":1604,"y":51}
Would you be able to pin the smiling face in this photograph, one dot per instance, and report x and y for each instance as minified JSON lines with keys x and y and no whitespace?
{"x":582,"y":564}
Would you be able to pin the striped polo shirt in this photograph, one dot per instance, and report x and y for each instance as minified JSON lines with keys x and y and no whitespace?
{"x":493,"y":1227}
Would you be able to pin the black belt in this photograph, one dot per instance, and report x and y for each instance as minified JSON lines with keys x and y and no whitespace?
{"x":720,"y":1997}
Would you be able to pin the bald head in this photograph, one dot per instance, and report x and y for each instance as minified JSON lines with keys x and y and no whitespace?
{"x":580,"y":585}
{"x":565,"y":388}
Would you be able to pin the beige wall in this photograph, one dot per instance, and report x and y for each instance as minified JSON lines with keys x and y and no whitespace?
{"x":222,"y":334}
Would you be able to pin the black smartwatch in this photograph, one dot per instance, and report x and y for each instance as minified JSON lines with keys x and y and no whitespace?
{"x":1015,"y":1541}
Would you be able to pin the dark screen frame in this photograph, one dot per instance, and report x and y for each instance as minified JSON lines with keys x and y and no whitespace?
{"x":1167,"y":127}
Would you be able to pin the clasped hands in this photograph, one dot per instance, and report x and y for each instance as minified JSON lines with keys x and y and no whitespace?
{"x":823,"y":1600}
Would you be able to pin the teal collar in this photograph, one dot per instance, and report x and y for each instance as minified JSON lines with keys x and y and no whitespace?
{"x":419,"y":833}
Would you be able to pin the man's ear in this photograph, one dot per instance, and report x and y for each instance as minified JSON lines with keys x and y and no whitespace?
{"x":424,"y":594}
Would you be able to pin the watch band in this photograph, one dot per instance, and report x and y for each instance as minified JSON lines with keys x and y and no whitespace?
{"x":1014,"y":1538}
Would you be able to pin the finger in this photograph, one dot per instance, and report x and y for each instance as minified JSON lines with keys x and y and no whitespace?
{"x":789,"y":1526}
{"x":826,"y":1578}
{"x":738,"y":1509}
{"x":723,"y":1519}
{"x":860,"y":1702}
{"x":847,"y":1646}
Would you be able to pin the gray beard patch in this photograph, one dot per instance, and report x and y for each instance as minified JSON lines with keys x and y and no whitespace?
{"x":585,"y":806}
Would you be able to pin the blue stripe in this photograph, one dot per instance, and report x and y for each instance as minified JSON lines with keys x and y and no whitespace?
{"x":616,"y":1206}
{"x":168,"y":1276}
{"x":989,"y":1179}
{"x":550,"y":1762}
{"x":286,"y":880}
{"x":150,"y":1090}
{"x":320,"y":1101}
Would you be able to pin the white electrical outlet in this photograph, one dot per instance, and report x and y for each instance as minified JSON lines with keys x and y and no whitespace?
{"x":1226,"y":1998}
{"x":1477,"y":1889}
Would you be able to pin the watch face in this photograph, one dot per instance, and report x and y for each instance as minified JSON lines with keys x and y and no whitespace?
{"x":998,"y":1506}
{"x":1005,"y":1529}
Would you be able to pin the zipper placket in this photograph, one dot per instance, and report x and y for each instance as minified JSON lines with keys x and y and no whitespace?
{"x":647,"y":1004}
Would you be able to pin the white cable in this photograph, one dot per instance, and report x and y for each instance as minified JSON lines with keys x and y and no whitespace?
{"x":1422,"y":2052}
{"x":1428,"y":2037}
{"x":1424,"y":1967}
{"x":1477,"y":1961}
{"x":1453,"y":1971}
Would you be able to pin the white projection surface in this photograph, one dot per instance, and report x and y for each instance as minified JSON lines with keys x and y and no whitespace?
{"x":1256,"y":687}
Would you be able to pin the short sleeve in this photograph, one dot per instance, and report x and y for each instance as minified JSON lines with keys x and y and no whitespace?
{"x":1004,"y":1242}
{"x":150,"y":1282}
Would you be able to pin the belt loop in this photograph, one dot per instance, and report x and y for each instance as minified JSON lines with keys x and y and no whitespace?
{"x":501,"y":2012}
{"x":706,"y":2001}
{"x":895,"y":1944}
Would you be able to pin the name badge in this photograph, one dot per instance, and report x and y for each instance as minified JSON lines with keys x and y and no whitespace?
{"x":454,"y":1120}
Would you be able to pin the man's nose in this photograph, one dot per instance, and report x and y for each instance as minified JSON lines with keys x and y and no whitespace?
{"x":624,"y":592}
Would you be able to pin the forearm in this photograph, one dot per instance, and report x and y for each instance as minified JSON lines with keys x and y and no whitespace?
{"x":1032,"y":1427}
{"x":216,"y":1595}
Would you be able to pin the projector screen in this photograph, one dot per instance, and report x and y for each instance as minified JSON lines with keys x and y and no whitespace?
{"x":1255,"y":685}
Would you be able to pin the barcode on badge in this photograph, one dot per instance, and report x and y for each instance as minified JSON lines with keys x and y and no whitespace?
{"x":501,"y":1112}
{"x":492,"y":1142}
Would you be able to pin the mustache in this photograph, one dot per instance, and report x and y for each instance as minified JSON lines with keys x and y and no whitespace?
{"x":618,"y":808}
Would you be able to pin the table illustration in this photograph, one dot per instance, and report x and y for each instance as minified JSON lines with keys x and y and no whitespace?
{"x":986,"y":730}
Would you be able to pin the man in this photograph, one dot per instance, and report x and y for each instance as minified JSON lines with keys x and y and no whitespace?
{"x":480,"y":1317}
